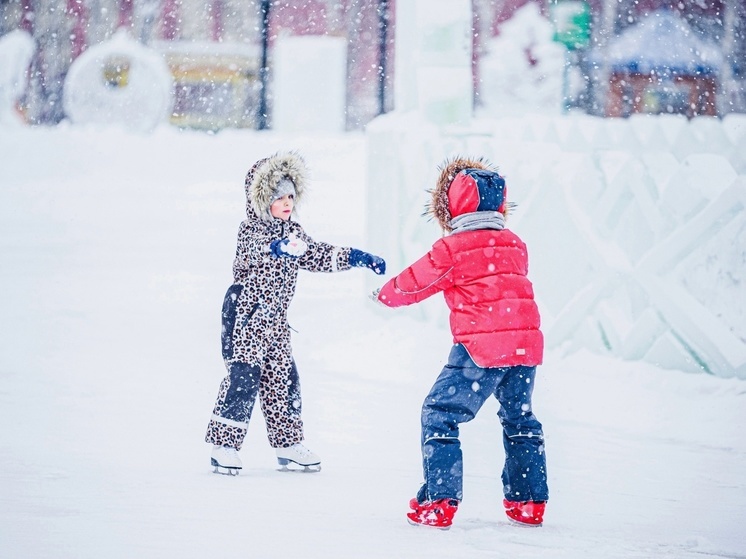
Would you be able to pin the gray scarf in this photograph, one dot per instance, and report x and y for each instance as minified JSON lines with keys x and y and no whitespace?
{"x":478,"y":220}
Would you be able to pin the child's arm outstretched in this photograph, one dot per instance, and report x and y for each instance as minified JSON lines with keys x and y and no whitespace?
{"x":426,"y":277}
{"x":323,"y":257}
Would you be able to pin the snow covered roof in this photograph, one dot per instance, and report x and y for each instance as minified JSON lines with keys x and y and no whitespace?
{"x":663,"y":43}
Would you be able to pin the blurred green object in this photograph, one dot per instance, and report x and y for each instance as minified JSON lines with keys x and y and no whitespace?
{"x":572,"y":23}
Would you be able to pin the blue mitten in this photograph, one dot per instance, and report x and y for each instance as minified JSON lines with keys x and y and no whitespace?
{"x":365,"y":260}
{"x":275,"y":247}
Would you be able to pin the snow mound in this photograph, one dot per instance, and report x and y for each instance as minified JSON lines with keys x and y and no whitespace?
{"x":119,"y":82}
{"x":522,"y":70}
{"x":16,"y":51}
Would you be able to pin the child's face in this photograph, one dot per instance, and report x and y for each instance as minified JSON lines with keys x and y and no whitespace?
{"x":283,"y":207}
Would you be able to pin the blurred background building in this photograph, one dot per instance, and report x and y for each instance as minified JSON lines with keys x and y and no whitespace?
{"x":221,"y":52}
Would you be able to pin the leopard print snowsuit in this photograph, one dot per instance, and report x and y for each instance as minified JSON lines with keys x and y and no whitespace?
{"x":256,"y":335}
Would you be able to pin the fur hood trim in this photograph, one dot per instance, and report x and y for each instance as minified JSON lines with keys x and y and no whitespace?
{"x":264,"y":177}
{"x":437,"y":208}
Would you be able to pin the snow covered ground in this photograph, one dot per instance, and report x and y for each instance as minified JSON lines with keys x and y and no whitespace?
{"x":115,"y":252}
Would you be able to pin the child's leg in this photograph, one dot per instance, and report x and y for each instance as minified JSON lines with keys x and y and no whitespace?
{"x":230,"y":417}
{"x":524,"y":475}
{"x":455,"y":398}
{"x":279,"y":396}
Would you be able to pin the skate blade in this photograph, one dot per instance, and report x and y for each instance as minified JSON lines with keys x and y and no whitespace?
{"x":222,"y":470}
{"x":524,"y":524}
{"x":290,"y":466}
{"x":232,"y":472}
{"x":413,"y":523}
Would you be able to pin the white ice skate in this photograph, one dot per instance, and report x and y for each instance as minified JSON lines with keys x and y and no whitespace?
{"x":225,"y":460}
{"x":300,"y":456}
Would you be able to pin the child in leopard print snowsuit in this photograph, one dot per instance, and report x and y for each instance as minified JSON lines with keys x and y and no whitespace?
{"x":271,"y":248}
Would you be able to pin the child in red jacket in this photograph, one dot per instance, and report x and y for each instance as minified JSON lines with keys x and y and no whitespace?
{"x":481,"y":269}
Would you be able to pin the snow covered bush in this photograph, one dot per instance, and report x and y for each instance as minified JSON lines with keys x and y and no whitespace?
{"x":16,"y":51}
{"x":522,"y":69}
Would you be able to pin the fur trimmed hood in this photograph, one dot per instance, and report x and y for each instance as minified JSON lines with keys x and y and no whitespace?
{"x":263,"y":180}
{"x":439,"y":206}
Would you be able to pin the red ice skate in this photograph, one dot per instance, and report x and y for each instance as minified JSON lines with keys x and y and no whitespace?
{"x":438,"y":514}
{"x":530,"y":513}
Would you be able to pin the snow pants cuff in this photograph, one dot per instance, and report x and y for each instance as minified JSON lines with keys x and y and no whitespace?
{"x":222,"y":433}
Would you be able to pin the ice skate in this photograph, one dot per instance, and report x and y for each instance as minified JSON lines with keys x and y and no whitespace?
{"x":298,"y":455}
{"x":436,"y":514}
{"x":529,"y":513}
{"x":225,"y":460}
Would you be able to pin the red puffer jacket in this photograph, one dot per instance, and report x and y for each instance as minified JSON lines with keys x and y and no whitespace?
{"x":482,"y":274}
{"x":483,"y":277}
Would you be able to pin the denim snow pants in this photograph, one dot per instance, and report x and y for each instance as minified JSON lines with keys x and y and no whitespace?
{"x":455,"y":398}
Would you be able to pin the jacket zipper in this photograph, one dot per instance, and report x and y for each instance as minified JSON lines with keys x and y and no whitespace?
{"x":284,"y":270}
